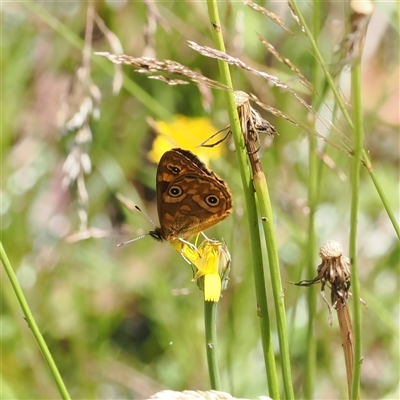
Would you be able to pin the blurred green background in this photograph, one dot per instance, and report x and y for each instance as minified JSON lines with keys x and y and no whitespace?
{"x":127,"y":322}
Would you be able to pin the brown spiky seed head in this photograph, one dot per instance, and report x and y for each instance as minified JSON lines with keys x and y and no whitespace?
{"x":240,"y":97}
{"x":330,"y":249}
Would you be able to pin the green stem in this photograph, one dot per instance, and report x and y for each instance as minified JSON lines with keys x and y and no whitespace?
{"x":261,"y":296}
{"x":264,"y":202}
{"x":262,"y":308}
{"x":32,"y":324}
{"x":342,"y":107}
{"x":262,"y":305}
{"x":309,"y":381}
{"x":355,"y":189}
{"x":384,"y":199}
{"x":311,"y":292}
{"x":210,"y":321}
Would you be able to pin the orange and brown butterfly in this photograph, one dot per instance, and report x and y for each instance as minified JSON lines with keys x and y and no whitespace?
{"x":190,"y":198}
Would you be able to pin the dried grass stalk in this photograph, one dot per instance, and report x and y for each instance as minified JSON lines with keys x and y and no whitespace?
{"x":151,"y":65}
{"x":116,"y":47}
{"x":159,"y":68}
{"x":346,"y":333}
{"x":273,"y":17}
{"x":213,"y":53}
{"x":287,"y":62}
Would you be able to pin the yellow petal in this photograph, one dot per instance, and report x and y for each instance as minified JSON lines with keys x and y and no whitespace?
{"x":189,"y":253}
{"x":177,"y":246}
{"x":212,"y":287}
{"x":185,"y":132}
{"x":198,"y":274}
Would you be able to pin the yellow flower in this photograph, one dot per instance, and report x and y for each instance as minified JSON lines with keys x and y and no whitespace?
{"x":212,"y":260}
{"x":185,"y":132}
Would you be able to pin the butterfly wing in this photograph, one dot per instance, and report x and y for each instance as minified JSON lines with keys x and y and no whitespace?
{"x":190,"y":198}
{"x":192,"y":204}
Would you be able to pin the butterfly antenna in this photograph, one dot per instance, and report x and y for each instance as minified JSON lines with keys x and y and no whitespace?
{"x":130,"y":241}
{"x":138,"y":208}
{"x":132,"y":206}
{"x":142,"y":236}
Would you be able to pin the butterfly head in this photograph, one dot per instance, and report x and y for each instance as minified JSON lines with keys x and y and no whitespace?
{"x":156,"y":234}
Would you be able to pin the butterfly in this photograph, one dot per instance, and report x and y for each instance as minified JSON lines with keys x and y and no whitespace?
{"x":190,"y":197}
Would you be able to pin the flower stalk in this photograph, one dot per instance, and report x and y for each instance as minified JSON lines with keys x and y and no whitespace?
{"x":211,"y":263}
{"x":210,"y":324}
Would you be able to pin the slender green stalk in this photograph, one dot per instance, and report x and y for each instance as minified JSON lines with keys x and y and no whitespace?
{"x":384,"y":199}
{"x":309,"y":381}
{"x":342,"y":106}
{"x":262,"y":305}
{"x":32,"y":324}
{"x":262,"y":311}
{"x":264,"y":202}
{"x":310,"y":367}
{"x":355,"y":186}
{"x":359,"y":155}
{"x":210,"y":321}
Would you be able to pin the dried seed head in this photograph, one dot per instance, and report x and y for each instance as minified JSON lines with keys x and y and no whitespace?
{"x":240,"y":97}
{"x":330,"y":249}
{"x":334,"y":268}
{"x":251,"y":123}
{"x":334,"y":271}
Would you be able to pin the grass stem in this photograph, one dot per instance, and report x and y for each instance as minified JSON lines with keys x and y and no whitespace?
{"x":251,"y":207}
{"x":310,"y":367}
{"x":265,"y":207}
{"x":32,"y":324}
{"x":355,"y":189}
